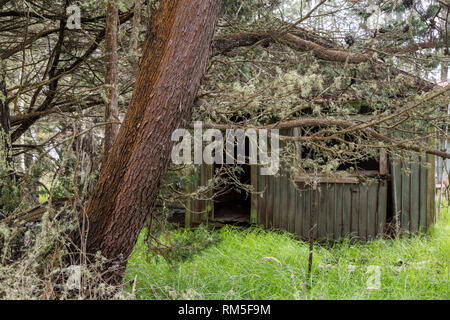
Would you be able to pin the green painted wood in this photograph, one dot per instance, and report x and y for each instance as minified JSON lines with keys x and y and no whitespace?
{"x":299,"y":211}
{"x":292,"y":212}
{"x":314,"y":213}
{"x":373,"y":192}
{"x":355,"y":191}
{"x":276,"y":202}
{"x":346,"y":210}
{"x":397,"y":192}
{"x":269,"y":201}
{"x":323,"y":195}
{"x":405,"y":198}
{"x":382,"y":208}
{"x":254,"y":196}
{"x":363,"y":215}
{"x":307,"y":196}
{"x":338,"y":211}
{"x":415,"y":196}
{"x":423,"y":195}
{"x":283,"y":204}
{"x":331,"y":210}
{"x":431,"y":198}
{"x":280,"y":189}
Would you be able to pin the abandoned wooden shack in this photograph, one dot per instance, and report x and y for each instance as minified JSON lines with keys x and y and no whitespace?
{"x":395,"y":195}
{"x":385,"y":195}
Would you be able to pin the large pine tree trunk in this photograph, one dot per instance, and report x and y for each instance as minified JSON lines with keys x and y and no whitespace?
{"x":175,"y":57}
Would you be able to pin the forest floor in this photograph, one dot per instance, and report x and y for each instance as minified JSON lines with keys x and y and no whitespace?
{"x":233,"y":263}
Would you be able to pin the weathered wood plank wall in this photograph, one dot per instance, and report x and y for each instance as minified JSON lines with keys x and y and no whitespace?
{"x":334,"y":210}
{"x":411,"y":197}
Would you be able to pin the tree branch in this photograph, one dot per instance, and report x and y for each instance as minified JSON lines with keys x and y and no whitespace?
{"x":299,"y":42}
{"x":314,"y":122}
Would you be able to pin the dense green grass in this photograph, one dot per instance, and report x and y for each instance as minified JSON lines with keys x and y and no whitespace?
{"x":258,"y":264}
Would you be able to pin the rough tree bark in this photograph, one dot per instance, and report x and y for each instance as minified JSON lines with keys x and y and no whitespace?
{"x":175,"y":57}
{"x":4,"y":118}
{"x":112,"y":103}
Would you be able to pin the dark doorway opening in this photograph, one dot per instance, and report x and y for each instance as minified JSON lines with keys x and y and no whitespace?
{"x":232,"y":203}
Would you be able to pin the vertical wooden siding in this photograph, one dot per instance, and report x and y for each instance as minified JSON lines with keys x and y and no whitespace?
{"x":412,"y":182}
{"x":335,"y":210}
{"x":332,"y":210}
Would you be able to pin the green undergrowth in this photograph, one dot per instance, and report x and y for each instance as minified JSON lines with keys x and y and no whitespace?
{"x":235,"y":263}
